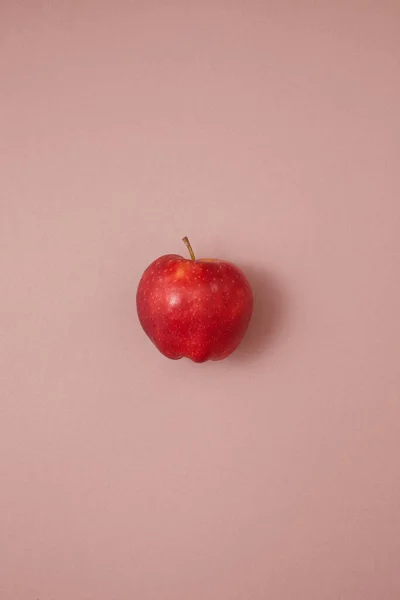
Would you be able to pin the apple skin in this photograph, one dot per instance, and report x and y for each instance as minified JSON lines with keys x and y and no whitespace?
{"x":198,"y":309}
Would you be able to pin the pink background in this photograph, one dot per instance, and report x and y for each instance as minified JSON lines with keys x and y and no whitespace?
{"x":268,"y":132}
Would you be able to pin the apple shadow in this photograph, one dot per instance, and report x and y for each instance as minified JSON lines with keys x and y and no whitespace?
{"x":268,"y":315}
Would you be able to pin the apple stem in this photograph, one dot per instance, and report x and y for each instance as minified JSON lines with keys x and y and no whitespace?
{"x":189,"y":247}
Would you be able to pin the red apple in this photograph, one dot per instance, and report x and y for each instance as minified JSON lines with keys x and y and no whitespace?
{"x":199,"y":309}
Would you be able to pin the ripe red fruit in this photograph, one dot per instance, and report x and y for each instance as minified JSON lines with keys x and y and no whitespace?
{"x":199,"y":309}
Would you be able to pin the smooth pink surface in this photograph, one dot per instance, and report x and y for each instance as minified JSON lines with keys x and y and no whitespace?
{"x":269,"y":133}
